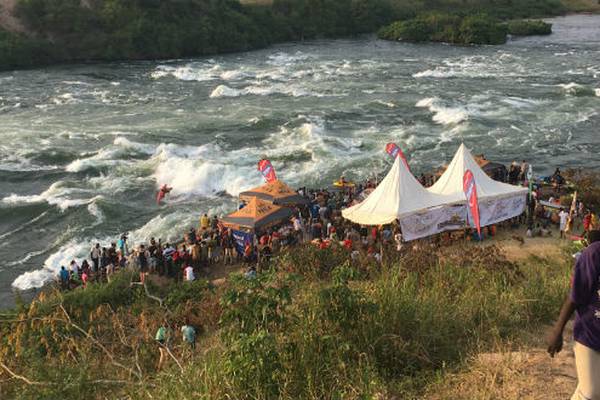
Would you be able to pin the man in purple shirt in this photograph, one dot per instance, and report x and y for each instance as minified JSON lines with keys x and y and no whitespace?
{"x":585,"y":299}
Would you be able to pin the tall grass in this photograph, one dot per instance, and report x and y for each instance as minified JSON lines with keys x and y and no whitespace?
{"x":328,"y":328}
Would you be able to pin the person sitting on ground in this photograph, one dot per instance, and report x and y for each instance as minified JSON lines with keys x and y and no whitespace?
{"x":189,"y":334}
{"x":584,"y":299}
{"x":250,"y":272}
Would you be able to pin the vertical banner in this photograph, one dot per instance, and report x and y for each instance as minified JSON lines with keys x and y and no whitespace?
{"x":240,"y":238}
{"x":394,"y":151}
{"x":267,"y":170}
{"x":471,"y":194}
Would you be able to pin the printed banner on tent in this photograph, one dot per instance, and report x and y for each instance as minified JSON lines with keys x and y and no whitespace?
{"x":497,"y":210}
{"x":471,"y":193}
{"x":434,"y":220}
{"x":394,"y":151}
{"x":267,"y":170}
{"x":240,"y":238}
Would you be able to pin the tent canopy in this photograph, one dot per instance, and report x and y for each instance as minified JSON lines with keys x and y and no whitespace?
{"x":257,"y":214}
{"x":451,"y":181}
{"x":275,"y":192}
{"x":399,"y":194}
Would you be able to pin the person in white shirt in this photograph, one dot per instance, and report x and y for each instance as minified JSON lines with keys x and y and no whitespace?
{"x":564,"y":217}
{"x":188,"y":273}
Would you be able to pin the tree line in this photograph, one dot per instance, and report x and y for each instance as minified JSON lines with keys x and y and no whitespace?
{"x":93,"y":30}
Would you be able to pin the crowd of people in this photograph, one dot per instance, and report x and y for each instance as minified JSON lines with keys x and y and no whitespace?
{"x":319,"y":222}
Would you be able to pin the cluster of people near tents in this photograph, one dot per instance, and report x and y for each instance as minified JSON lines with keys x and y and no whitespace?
{"x":362,"y":218}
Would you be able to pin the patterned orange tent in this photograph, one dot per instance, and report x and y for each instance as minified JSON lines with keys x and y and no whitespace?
{"x":257,"y":214}
{"x":275,"y":192}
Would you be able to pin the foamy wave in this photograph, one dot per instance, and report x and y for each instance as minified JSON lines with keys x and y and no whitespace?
{"x":188,"y":72}
{"x":40,"y":277}
{"x":56,"y":195}
{"x":576,"y":89}
{"x":197,"y":72}
{"x":205,"y":178}
{"x":282,"y":58}
{"x":224,"y":91}
{"x":261,"y":90}
{"x":441,"y":114}
{"x":138,"y":147}
{"x":477,"y":67}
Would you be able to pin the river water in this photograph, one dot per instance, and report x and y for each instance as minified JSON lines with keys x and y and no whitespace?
{"x":83,"y":148}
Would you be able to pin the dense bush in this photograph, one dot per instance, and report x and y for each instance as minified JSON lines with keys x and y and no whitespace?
{"x":529,"y":27}
{"x":19,"y":51}
{"x":472,"y":29}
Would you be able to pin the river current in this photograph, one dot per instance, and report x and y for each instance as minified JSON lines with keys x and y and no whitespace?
{"x":83,"y":148}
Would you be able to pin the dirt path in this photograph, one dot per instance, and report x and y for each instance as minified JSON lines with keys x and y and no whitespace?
{"x":526,"y":374}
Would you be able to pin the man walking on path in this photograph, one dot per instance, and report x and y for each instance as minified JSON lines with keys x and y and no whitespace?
{"x":585,"y":300}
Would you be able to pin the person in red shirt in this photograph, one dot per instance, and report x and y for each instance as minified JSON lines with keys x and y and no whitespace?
{"x":374,"y":232}
{"x":348,"y":243}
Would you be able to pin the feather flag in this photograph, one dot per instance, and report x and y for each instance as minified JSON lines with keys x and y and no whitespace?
{"x":266,"y":169}
{"x":394,"y":151}
{"x":471,"y":193}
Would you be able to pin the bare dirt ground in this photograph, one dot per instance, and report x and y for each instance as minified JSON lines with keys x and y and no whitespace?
{"x":524,"y":374}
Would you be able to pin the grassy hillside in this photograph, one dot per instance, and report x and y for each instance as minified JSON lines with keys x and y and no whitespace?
{"x":314,"y":327}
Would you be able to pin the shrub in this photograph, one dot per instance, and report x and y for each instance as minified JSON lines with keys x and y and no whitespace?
{"x":449,"y":28}
{"x":529,"y":27}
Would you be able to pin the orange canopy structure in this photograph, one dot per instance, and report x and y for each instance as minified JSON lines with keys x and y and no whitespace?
{"x":257,"y":214}
{"x":275,"y":192}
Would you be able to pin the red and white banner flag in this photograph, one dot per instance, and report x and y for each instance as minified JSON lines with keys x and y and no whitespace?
{"x":394,"y":151}
{"x":471,"y":193}
{"x":267,"y":170}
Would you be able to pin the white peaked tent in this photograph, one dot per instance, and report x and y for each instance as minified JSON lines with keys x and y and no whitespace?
{"x":497,"y":201}
{"x":451,"y":181}
{"x":398,"y":195}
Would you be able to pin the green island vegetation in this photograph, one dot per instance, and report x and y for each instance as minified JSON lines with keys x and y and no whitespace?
{"x":314,"y":326}
{"x":465,"y":29}
{"x":92,"y":30}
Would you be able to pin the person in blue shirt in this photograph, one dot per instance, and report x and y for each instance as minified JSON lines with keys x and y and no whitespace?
{"x":63,"y":275}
